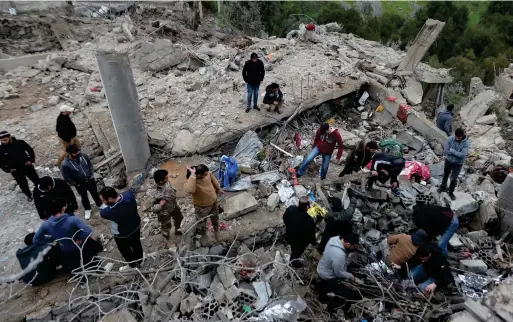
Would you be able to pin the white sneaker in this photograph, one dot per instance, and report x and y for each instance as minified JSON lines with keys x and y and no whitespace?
{"x":87,"y":214}
{"x":124,"y":268}
{"x":103,"y":206}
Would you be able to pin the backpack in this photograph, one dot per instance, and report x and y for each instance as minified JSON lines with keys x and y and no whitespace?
{"x":228,"y":170}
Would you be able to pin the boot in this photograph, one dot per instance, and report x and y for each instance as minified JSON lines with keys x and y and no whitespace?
{"x":441,"y":189}
{"x":216,"y":235}
{"x":451,"y":190}
{"x":277,"y":109}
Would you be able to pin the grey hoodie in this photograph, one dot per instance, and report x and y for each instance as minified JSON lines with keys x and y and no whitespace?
{"x":456,"y":151}
{"x":334,"y":261}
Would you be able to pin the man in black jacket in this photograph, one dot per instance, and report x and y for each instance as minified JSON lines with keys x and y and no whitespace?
{"x":66,"y":131}
{"x":359,"y":157}
{"x":300,"y":230}
{"x":434,"y":271}
{"x":17,"y":158}
{"x":386,"y":166}
{"x":253,"y":74}
{"x":47,"y":190}
{"x":273,"y":97}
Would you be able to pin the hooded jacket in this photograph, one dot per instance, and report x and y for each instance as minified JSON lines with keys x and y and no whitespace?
{"x":62,"y":227}
{"x":60,"y":189}
{"x":326,"y":142}
{"x":456,"y":151}
{"x":299,"y":227}
{"x":444,"y":121}
{"x":389,"y":162}
{"x":65,"y":128}
{"x":253,"y":73}
{"x":271,"y":97}
{"x":438,"y":268}
{"x":434,"y":220}
{"x":15,"y":154}
{"x":333,"y":263}
{"x":77,"y":172}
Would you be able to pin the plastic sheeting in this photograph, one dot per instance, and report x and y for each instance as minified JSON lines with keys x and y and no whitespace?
{"x":474,"y":285}
{"x":281,"y":310}
{"x":240,"y":185}
{"x":248,"y":146}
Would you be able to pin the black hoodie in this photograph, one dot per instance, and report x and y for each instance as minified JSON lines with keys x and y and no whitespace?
{"x":253,"y":73}
{"x":438,"y":268}
{"x":65,"y":128}
{"x":60,"y":189}
{"x":15,"y":155}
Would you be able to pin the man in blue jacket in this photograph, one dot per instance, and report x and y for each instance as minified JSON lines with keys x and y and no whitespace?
{"x":444,"y":120}
{"x":455,"y":150}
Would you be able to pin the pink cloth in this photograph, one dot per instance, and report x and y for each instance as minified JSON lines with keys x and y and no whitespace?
{"x":417,"y":168}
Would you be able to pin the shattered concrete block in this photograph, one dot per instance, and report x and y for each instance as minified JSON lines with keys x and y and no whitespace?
{"x":300,"y":191}
{"x":188,"y":304}
{"x":122,"y":315}
{"x":473,"y":265}
{"x":464,"y":203}
{"x":175,"y":298}
{"x":184,"y":144}
{"x":204,"y":281}
{"x":413,"y":91}
{"x":37,"y":107}
{"x":477,"y":107}
{"x":264,"y":293}
{"x":162,"y":303}
{"x":455,"y":241}
{"x":54,"y":100}
{"x":265,"y":189}
{"x":273,"y":201}
{"x":368,"y":223}
{"x":239,"y":205}
{"x":160,"y":55}
{"x":44,"y":314}
{"x":226,"y":276}
{"x":217,"y":288}
{"x":490,"y":119}
{"x":409,"y":140}
{"x":475,"y":236}
{"x":30,"y":73}
{"x":231,"y":293}
{"x":156,"y":139}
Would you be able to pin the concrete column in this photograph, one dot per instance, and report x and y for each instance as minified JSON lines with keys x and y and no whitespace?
{"x":425,"y":38}
{"x":118,"y":81}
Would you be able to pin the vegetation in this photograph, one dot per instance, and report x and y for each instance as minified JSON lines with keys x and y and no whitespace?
{"x":477,"y":39}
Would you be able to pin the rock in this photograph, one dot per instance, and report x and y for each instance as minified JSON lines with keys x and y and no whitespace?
{"x":184,"y":144}
{"x":8,"y":96}
{"x":122,"y":315}
{"x":188,"y":304}
{"x":161,"y":100}
{"x":191,"y":64}
{"x":144,"y":102}
{"x":37,"y":107}
{"x":413,"y":91}
{"x":231,"y":293}
{"x":41,"y":315}
{"x":217,"y":250}
{"x":490,"y":119}
{"x":204,"y":281}
{"x":477,"y":107}
{"x":174,"y":299}
{"x":226,"y":276}
{"x":54,"y":100}
{"x":46,"y":79}
{"x":239,"y":205}
{"x":30,"y":73}
{"x":300,"y":191}
{"x":488,"y":187}
{"x":409,"y":140}
{"x":273,"y":201}
{"x":475,"y":236}
{"x":156,"y":139}
{"x":463,"y":204}
{"x":194,"y":87}
{"x":455,"y":242}
{"x":160,"y":55}
{"x":202,"y":71}
{"x":264,"y":189}
{"x":233,"y":66}
{"x":476,"y":86}
{"x":474,"y":266}
{"x":332,"y":27}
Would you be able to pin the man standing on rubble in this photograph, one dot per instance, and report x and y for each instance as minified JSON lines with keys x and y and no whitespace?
{"x":436,"y":220}
{"x":359,"y":157}
{"x":434,"y":271}
{"x":253,"y":74}
{"x":66,"y":131}
{"x":386,"y":166}
{"x":326,"y":138}
{"x":455,"y":150}
{"x":404,"y":247}
{"x":166,"y":206}
{"x":49,"y":189}
{"x":444,"y":120}
{"x":121,"y":210}
{"x":300,"y":230}
{"x":204,"y":187}
{"x":17,"y":158}
{"x":78,"y":171}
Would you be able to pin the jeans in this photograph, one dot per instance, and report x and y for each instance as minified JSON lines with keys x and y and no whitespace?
{"x":453,"y":170}
{"x":130,"y":248}
{"x":419,"y":276}
{"x":83,"y":188}
{"x":446,"y":236}
{"x":253,"y":91}
{"x":325,"y":162}
{"x":20,"y":175}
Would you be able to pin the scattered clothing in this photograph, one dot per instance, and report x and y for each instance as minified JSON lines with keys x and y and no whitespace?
{"x":444,"y":121}
{"x":60,"y":189}
{"x":333,"y":263}
{"x":47,"y":269}
{"x":300,"y":231}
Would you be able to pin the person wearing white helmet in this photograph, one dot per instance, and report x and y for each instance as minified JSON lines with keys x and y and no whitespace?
{"x":66,"y":131}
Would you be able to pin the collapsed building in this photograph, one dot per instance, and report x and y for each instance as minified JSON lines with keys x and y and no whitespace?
{"x":152,"y":92}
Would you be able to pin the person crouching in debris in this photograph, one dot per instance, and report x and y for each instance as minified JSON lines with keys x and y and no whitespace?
{"x":204,"y":187}
{"x":166,"y":206}
{"x":404,"y":247}
{"x":66,"y":131}
{"x":17,"y":158}
{"x":333,"y":266}
{"x":359,"y":157}
{"x":338,"y":219}
{"x":299,"y":229}
{"x":273,"y":97}
{"x":47,"y":190}
{"x":326,"y":138}
{"x":47,"y":269}
{"x":455,"y":151}
{"x":386,"y":166}
{"x":436,"y":220}
{"x":434,"y":271}
{"x":69,"y":231}
{"x":121,"y":210}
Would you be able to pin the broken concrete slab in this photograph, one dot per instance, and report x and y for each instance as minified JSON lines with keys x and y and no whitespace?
{"x":183,"y":144}
{"x":273,"y":201}
{"x":30,"y":73}
{"x":156,"y":139}
{"x":409,"y":140}
{"x":239,"y":205}
{"x":473,"y":265}
{"x":490,"y":119}
{"x":300,"y":191}
{"x":413,"y":91}
{"x":270,"y":177}
{"x":464,"y":203}
{"x":455,"y":241}
{"x":160,"y":55}
{"x":231,"y":293}
{"x":226,"y":276}
{"x":122,"y":315}
{"x":477,"y":107}
{"x":264,"y":293}
{"x":188,"y":304}
{"x":265,"y":189}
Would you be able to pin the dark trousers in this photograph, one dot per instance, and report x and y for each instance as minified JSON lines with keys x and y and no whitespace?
{"x":343,"y":291}
{"x":21,"y":175}
{"x":349,"y":168}
{"x":453,"y":170}
{"x":83,"y":188}
{"x":297,"y":249}
{"x":130,"y":247}
{"x":72,"y":260}
{"x":333,"y":229}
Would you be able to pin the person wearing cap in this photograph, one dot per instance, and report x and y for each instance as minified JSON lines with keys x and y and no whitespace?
{"x":77,"y":171}
{"x":326,"y":138}
{"x":49,"y":189}
{"x":404,"y":247}
{"x":66,"y":131}
{"x":17,"y":158}
{"x":253,"y":74}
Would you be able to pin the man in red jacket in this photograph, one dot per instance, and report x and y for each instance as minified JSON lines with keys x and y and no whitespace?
{"x":325,"y":140}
